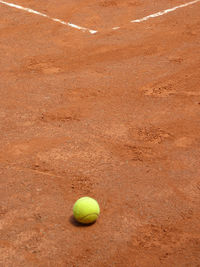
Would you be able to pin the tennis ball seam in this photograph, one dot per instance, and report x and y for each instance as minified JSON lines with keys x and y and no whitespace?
{"x":89,"y":215}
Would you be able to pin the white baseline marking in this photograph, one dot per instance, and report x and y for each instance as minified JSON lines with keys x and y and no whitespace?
{"x":160,"y":13}
{"x":46,"y":16}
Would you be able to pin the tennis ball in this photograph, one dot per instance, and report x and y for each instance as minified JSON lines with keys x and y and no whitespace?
{"x":86,"y":210}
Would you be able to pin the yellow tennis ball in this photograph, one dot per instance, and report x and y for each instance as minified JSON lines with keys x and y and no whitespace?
{"x":86,"y":210}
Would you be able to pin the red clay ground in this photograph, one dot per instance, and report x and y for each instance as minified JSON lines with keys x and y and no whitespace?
{"x":115,"y":116}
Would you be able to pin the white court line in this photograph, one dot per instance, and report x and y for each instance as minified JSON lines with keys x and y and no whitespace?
{"x":46,"y":16}
{"x":160,"y":13}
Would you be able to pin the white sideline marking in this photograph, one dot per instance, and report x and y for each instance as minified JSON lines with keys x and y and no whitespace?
{"x":46,"y":16}
{"x":160,"y":13}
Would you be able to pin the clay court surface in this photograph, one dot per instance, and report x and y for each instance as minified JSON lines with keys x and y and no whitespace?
{"x":113,"y":115}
